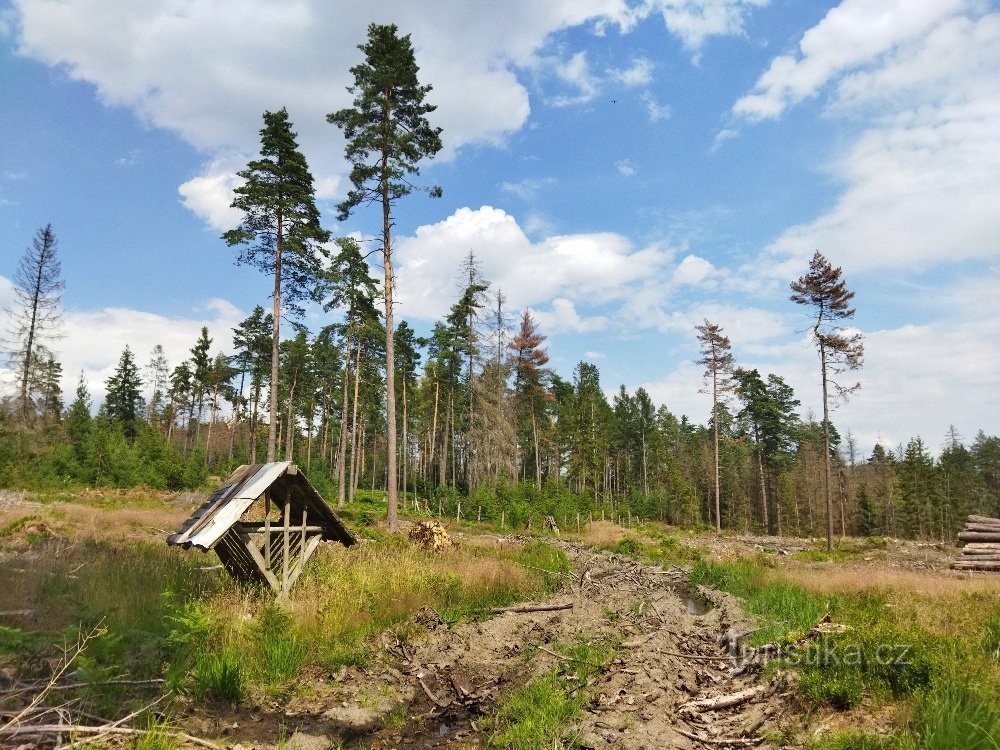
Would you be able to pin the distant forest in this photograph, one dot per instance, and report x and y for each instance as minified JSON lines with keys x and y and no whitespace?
{"x":485,"y":426}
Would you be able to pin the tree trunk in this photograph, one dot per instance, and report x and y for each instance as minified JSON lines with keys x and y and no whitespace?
{"x":390,"y":358}
{"x":272,"y":427}
{"x":342,"y":440}
{"x":826,"y":450}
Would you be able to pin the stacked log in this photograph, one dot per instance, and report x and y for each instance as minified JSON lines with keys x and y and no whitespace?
{"x":981,"y":536}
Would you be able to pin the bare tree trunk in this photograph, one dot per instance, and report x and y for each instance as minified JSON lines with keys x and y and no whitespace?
{"x":715,"y":426}
{"x":390,"y":357}
{"x":538,"y":458}
{"x":342,"y":440}
{"x":272,"y":427}
{"x":826,"y":449}
{"x":763,"y":493}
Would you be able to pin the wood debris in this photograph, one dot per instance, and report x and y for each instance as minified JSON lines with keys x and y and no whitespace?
{"x":430,"y":536}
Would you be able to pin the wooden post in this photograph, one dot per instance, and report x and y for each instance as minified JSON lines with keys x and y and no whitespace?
{"x":479,"y":513}
{"x":284,"y":557}
{"x":302,"y":543}
{"x":577,"y":523}
{"x":458,"y":512}
{"x":267,"y":529}
{"x":502,"y":514}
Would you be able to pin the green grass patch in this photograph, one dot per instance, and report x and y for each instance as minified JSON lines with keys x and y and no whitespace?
{"x":666,"y":550}
{"x":536,"y":716}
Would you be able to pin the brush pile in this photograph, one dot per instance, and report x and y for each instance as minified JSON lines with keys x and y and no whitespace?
{"x":431,"y":536}
{"x":981,"y":536}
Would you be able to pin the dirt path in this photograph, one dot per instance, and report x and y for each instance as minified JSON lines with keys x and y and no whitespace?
{"x":434,"y":691}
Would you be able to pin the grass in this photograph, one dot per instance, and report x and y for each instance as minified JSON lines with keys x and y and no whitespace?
{"x":162,"y":615}
{"x":536,"y":716}
{"x":937,"y":654}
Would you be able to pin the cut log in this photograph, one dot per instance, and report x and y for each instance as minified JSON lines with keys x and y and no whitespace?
{"x":980,"y":558}
{"x":981,"y":546}
{"x":989,"y":528}
{"x":980,"y":536}
{"x":972,"y":565}
{"x":983,"y":519}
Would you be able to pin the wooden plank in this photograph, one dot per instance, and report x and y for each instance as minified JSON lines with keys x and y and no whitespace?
{"x":310,"y":547}
{"x":265,"y":573}
{"x":222,"y":519}
{"x":284,"y":555}
{"x":261,"y":527}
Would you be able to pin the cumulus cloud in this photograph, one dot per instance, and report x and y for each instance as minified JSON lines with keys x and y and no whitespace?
{"x":92,"y":341}
{"x":922,"y":179}
{"x":597,"y":267}
{"x":189,"y":68}
{"x":640,"y":73}
{"x":562,"y":317}
{"x":696,"y":20}
{"x":854,"y":33}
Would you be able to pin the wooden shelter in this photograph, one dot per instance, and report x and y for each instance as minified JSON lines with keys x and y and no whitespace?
{"x":264,"y":523}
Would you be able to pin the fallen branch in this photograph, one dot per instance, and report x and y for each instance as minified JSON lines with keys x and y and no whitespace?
{"x":570,"y":658}
{"x":723,"y":741}
{"x":116,"y":724}
{"x":522,"y":608}
{"x":434,"y":699}
{"x":74,"y":685}
{"x":35,"y":730}
{"x":728,"y":701}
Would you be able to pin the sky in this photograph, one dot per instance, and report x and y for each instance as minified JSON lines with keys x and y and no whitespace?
{"x":625,"y":169}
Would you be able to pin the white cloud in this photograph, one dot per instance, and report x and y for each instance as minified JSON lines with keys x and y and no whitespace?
{"x":207,"y":70}
{"x":527,"y":189}
{"x":210,"y":194}
{"x":854,"y":33}
{"x":562,"y":317}
{"x":640,"y":73}
{"x":923,"y":181}
{"x":726,"y":134}
{"x":692,"y":270}
{"x":594,"y":355}
{"x":592,"y":268}
{"x":575,"y":72}
{"x":129,"y":160}
{"x":9,"y":175}
{"x":92,"y":341}
{"x":626,"y":167}
{"x":696,"y":20}
{"x":657,"y":112}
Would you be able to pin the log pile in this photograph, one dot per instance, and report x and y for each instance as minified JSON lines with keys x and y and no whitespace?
{"x":981,"y":536}
{"x":431,"y":536}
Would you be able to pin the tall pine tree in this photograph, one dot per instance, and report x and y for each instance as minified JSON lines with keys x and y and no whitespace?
{"x":825,"y":292}
{"x":387,"y":136}
{"x":279,"y":232}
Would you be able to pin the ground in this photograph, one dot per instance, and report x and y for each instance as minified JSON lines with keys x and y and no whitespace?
{"x":435,"y":685}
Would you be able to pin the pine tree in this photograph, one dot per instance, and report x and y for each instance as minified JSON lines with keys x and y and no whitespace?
{"x":280,"y":231}
{"x":124,"y":403}
{"x":159,"y":374}
{"x":387,"y":136}
{"x":35,"y":316}
{"x":839,"y":351}
{"x":717,"y":357}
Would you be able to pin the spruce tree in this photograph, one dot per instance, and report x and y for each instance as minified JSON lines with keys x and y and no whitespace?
{"x":387,"y":136}
{"x":279,"y":232}
{"x":825,"y":292}
{"x":124,"y":403}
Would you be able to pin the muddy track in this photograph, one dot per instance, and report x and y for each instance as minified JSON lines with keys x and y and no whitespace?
{"x":678,"y":668}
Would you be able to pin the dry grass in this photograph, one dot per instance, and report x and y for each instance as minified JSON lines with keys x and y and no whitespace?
{"x":839,"y":577}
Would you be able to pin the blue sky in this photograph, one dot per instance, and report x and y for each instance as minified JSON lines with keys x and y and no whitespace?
{"x":625,"y":168}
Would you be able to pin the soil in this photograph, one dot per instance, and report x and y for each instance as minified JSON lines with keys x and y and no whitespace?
{"x":436,"y":689}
